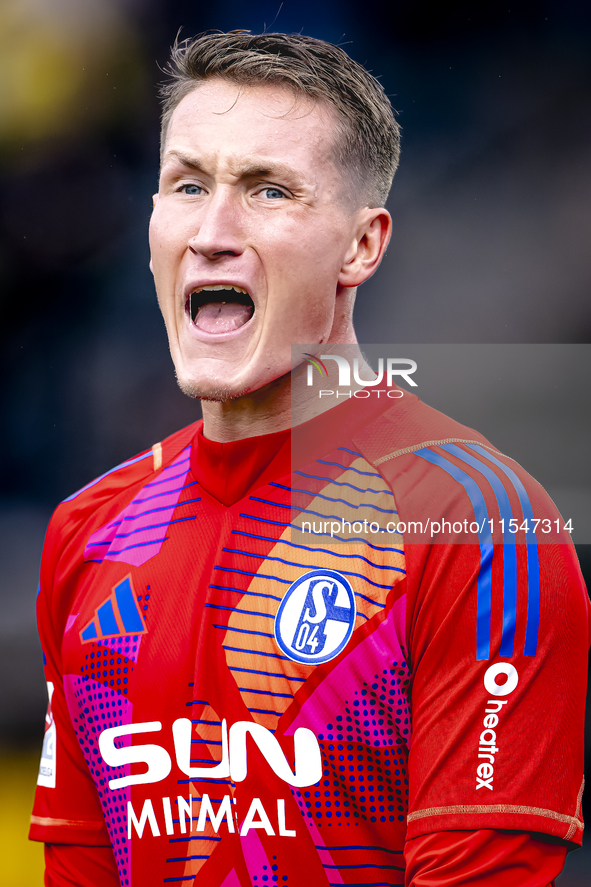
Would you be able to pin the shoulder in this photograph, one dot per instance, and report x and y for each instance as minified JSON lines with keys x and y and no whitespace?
{"x":111,"y":490}
{"x":428,"y":458}
{"x":425,"y":454}
{"x":451,"y":485}
{"x":410,"y":425}
{"x":475,"y":524}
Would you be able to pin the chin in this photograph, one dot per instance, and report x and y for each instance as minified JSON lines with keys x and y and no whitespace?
{"x":199,"y":379}
{"x":209,"y":389}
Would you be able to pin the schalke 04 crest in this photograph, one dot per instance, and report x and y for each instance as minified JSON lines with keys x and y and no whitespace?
{"x":316,"y":617}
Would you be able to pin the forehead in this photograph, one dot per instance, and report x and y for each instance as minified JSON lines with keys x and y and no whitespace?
{"x":225,"y":119}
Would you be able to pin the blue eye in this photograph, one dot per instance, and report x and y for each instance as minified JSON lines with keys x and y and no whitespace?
{"x":192,"y":190}
{"x":273,"y":193}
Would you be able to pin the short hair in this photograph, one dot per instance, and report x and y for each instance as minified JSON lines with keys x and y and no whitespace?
{"x":368,"y":143}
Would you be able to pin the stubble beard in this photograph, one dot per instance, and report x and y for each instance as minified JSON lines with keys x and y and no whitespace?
{"x":214,"y":393}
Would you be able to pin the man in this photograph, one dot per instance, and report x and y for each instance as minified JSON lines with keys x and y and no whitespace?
{"x":240,"y":693}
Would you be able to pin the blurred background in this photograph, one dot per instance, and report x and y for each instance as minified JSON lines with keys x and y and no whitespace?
{"x":492,"y":227}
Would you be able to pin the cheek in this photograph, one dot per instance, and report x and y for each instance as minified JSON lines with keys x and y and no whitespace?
{"x":167,"y":237}
{"x":311,"y":253}
{"x":158,"y":248}
{"x":302,"y":270}
{"x":164,"y":263}
{"x":304,"y":317}
{"x":304,"y":288}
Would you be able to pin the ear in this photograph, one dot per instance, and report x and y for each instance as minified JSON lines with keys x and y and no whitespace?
{"x":368,"y":247}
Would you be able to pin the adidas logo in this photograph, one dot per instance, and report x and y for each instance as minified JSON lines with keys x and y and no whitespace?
{"x":119,"y":615}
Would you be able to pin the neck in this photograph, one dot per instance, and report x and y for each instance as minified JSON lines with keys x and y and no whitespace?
{"x":284,"y":402}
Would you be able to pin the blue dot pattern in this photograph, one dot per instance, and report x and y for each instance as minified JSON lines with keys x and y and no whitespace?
{"x":270,"y":874}
{"x":99,"y":708}
{"x":364,"y":754}
{"x":100,"y":703}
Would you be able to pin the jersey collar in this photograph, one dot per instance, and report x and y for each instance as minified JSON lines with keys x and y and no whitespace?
{"x":230,"y":471}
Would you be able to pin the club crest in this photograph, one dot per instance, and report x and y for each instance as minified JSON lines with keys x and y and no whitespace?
{"x":316,"y":617}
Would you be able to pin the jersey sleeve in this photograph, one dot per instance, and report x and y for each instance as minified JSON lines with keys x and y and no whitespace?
{"x":485,"y":857}
{"x":66,"y":808}
{"x":498,"y":634}
{"x":71,"y":865}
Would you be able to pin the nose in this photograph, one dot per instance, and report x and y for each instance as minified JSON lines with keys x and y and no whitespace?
{"x":220,"y":229}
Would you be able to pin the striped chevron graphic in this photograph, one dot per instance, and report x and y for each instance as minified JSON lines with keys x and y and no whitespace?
{"x":139,"y":531}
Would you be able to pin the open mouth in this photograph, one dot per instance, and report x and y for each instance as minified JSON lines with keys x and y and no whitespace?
{"x":220,"y":308}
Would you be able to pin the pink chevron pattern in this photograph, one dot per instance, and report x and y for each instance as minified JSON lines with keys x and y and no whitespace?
{"x":257,"y":861}
{"x":361,"y":665}
{"x":137,"y":533}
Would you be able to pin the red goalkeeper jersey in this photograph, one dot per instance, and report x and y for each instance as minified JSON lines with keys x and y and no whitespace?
{"x":268,"y":667}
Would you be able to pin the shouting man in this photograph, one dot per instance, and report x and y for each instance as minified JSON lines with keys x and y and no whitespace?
{"x":262,"y":668}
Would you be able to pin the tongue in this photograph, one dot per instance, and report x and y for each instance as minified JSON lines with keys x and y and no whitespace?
{"x":222,"y":317}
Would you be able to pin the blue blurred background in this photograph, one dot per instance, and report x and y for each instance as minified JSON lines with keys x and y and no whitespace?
{"x":492,"y":225}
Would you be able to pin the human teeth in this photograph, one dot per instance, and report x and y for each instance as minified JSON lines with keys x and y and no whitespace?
{"x":217,"y":287}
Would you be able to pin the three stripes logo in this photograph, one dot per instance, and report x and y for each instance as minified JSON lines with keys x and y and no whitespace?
{"x":119,"y":615}
{"x":480,"y":460}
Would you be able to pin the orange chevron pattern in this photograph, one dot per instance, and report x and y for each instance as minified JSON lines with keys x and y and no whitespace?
{"x":272,"y":694}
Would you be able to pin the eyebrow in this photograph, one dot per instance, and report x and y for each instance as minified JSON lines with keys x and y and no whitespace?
{"x":250,"y":169}
{"x":184,"y":159}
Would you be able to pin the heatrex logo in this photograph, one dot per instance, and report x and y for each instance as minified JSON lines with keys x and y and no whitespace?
{"x":307,"y":760}
{"x":487,"y":743}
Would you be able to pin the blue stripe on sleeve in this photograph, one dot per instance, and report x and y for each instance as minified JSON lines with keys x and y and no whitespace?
{"x":533,"y":561}
{"x":483,"y":599}
{"x":509,"y":551}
